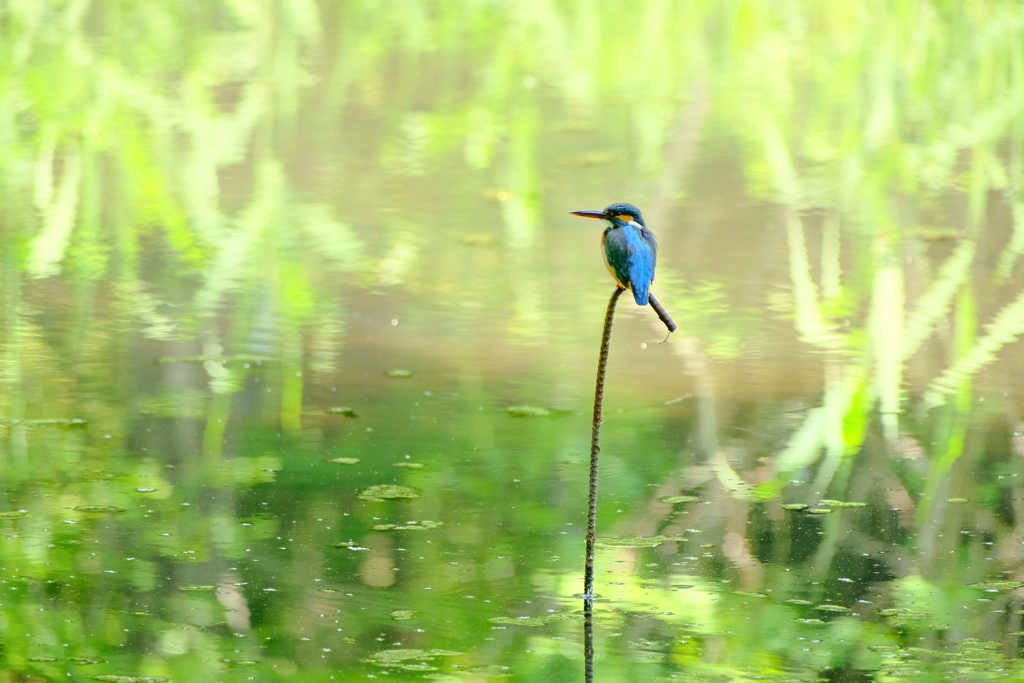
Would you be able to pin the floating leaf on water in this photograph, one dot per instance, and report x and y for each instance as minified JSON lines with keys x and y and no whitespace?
{"x":530,"y":622}
{"x":382,"y":492}
{"x":527,"y":411}
{"x":401,"y":614}
{"x":184,"y":359}
{"x":117,"y":678}
{"x":958,"y":500}
{"x":498,"y":195}
{"x":819,"y":511}
{"x":198,"y":588}
{"x":386,"y":657}
{"x":798,"y":601}
{"x":100,"y":509}
{"x":100,"y":474}
{"x":84,"y":660}
{"x":904,"y":613}
{"x":232,"y":358}
{"x":829,"y":503}
{"x":424,"y":525}
{"x":915,"y":616}
{"x":574,"y":126}
{"x":399,"y":373}
{"x":344,"y":461}
{"x":343,"y":410}
{"x":997,"y":585}
{"x":42,"y":659}
{"x":832,"y":608}
{"x":240,"y":662}
{"x":679,"y":499}
{"x":750,"y":595}
{"x":478,"y":239}
{"x":145,"y":489}
{"x":410,"y":465}
{"x":812,"y":622}
{"x":795,"y":506}
{"x":46,"y":422}
{"x":417,"y":667}
{"x":13,"y":514}
{"x":636,"y":541}
{"x":591,"y":159}
{"x":883,"y":648}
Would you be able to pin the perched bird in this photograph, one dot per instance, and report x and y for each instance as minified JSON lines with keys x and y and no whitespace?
{"x":630,"y":253}
{"x":630,"y":249}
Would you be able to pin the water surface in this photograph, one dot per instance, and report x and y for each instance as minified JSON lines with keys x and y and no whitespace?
{"x":299,"y":339}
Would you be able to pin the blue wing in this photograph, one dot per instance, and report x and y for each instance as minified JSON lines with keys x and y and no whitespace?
{"x":642,"y":256}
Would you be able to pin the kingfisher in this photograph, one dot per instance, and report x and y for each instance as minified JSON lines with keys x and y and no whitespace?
{"x":630,"y":249}
{"x":630,"y":253}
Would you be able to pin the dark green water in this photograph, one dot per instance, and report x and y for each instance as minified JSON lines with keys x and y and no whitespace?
{"x":274,"y":274}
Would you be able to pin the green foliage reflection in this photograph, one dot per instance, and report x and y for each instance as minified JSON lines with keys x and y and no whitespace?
{"x":199,"y":198}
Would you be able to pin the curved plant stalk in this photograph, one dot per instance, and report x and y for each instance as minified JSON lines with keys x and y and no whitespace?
{"x":1007,"y":326}
{"x":886,"y":335}
{"x":48,"y":247}
{"x":595,"y":446}
{"x":810,"y":322}
{"x":935,"y":303}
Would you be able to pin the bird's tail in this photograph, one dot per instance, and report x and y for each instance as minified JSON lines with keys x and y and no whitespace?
{"x":640,"y":295}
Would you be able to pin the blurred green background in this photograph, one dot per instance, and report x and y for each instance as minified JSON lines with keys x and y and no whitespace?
{"x":274,"y":272}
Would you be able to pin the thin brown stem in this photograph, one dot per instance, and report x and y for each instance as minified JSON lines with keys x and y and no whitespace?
{"x":588,"y":641}
{"x":595,"y":447}
{"x":662,"y":314}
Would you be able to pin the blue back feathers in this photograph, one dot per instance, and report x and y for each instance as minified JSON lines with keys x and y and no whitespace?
{"x":641,"y":263}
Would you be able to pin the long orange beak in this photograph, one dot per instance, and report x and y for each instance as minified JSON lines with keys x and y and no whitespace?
{"x":588,"y":214}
